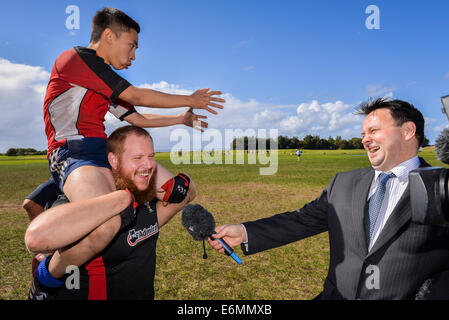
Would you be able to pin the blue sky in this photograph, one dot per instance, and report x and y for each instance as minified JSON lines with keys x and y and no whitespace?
{"x":291,"y":65}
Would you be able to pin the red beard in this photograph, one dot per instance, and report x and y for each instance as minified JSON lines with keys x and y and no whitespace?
{"x":141,"y":196}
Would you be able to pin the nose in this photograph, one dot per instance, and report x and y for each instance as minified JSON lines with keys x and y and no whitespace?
{"x":149,"y":163}
{"x":366,"y":139}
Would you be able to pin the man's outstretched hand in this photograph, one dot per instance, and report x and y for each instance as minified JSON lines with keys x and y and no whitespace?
{"x":204,"y":99}
{"x":192,"y":120}
{"x":232,"y":234}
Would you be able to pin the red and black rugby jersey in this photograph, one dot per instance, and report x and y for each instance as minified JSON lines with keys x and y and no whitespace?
{"x":82,"y":88}
{"x":126,"y":267}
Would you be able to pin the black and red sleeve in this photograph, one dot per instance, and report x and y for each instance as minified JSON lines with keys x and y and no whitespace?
{"x":121,"y":109}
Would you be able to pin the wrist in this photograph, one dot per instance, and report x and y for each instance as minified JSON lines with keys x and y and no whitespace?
{"x":128,"y":198}
{"x":244,"y":234}
{"x":179,"y":118}
{"x":189,"y":101}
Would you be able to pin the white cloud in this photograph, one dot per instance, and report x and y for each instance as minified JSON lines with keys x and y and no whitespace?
{"x":22,"y":89}
{"x":324,"y":119}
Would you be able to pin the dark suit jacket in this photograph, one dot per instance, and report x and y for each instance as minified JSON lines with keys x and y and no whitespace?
{"x":405,"y":254}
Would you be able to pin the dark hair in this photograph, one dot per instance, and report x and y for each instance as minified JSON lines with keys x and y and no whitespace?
{"x":114,"y":19}
{"x":401,"y":111}
{"x":117,"y":138}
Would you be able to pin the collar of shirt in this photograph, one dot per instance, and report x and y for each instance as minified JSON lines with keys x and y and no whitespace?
{"x":402,"y":170}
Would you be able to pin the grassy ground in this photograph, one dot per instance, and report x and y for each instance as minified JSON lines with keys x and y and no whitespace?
{"x":233,"y":193}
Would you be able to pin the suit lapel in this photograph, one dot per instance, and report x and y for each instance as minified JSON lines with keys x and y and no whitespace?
{"x":360,"y":189}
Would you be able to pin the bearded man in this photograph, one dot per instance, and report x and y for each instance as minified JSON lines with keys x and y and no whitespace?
{"x":123,"y":268}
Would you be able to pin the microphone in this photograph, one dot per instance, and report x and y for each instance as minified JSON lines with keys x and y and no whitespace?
{"x":201,"y":224}
{"x":442,"y":146}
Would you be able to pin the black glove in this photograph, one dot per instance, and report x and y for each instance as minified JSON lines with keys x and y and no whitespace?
{"x":176,"y":188}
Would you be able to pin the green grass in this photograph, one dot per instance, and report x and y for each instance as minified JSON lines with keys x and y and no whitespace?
{"x":233,"y":193}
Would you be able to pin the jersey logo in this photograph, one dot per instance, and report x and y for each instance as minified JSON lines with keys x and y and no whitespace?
{"x":136,"y":236}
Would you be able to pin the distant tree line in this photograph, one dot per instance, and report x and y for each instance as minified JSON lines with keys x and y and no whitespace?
{"x":24,"y":152}
{"x":313,"y":142}
{"x":309,"y":142}
{"x":251,"y":143}
{"x":316,"y":142}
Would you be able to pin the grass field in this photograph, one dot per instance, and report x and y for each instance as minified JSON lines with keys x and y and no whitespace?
{"x":233,"y":193}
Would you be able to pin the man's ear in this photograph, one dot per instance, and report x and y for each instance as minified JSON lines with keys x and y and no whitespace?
{"x":409,"y":130}
{"x":113,"y":160}
{"x":108,"y":35}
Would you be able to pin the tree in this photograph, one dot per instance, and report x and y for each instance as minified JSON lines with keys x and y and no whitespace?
{"x":311,"y":142}
{"x":323,"y":144}
{"x":356,"y":143}
{"x":331,"y":143}
{"x":11,"y":152}
{"x":295,"y":143}
{"x":338,"y":142}
{"x":283,"y":142}
{"x":346,"y":145}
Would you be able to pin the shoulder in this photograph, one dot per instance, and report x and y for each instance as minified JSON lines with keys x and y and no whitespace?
{"x":342,"y":182}
{"x":356,"y":172}
{"x":82,"y":55}
{"x":350,"y":176}
{"x":66,"y":56}
{"x":68,"y":59}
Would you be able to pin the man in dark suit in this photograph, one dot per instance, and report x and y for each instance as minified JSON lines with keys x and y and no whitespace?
{"x":376,"y":251}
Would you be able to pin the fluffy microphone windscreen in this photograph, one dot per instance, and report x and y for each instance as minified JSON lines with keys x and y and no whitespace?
{"x":442,"y":146}
{"x":198,"y":221}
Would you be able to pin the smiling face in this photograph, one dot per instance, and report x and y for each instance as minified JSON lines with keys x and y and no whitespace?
{"x":136,"y":163}
{"x":122,"y":48}
{"x":386,"y":143}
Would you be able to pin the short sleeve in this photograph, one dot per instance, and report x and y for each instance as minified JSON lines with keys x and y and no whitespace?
{"x":121,"y":109}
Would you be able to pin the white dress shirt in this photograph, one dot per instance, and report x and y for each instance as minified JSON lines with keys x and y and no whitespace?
{"x":394,"y":191}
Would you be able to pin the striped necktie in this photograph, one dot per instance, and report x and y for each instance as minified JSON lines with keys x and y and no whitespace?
{"x":375,"y":204}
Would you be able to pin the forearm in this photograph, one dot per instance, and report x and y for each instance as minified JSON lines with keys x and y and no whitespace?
{"x":287,"y":227}
{"x":85,"y":249}
{"x":154,"y":99}
{"x":153,"y":120}
{"x":64,"y":224}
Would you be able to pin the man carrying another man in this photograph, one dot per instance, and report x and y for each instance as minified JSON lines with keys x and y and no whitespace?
{"x":125,"y":269}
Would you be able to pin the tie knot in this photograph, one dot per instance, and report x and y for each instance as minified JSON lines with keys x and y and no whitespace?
{"x":384,"y":177}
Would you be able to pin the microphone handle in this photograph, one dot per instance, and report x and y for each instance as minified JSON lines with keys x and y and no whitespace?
{"x":228,"y":250}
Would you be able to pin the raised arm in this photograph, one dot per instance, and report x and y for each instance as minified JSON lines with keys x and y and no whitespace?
{"x":200,"y":99}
